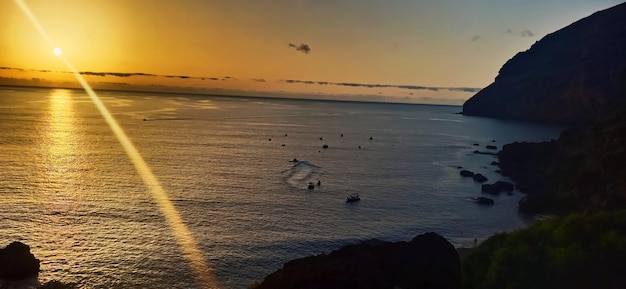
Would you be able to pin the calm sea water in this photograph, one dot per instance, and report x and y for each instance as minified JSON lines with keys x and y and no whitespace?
{"x":68,"y":189}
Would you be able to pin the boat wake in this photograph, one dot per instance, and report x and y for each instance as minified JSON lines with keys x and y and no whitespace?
{"x":301,"y":173}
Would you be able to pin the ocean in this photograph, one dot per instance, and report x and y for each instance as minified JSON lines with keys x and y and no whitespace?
{"x":69,"y":190}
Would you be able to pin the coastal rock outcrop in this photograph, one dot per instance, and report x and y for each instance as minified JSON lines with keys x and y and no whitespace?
{"x":582,"y":171}
{"x":17,"y":262}
{"x":572,"y":76}
{"x":427,"y":261}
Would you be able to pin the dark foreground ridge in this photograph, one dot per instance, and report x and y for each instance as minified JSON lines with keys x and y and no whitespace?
{"x":572,"y":76}
{"x":427,"y":261}
{"x":17,"y":262}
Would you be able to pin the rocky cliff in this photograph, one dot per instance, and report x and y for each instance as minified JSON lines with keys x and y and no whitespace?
{"x":572,"y":76}
{"x":427,"y":261}
{"x":582,"y":171}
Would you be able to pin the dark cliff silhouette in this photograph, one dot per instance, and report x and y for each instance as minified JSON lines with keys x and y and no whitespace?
{"x":575,"y":76}
{"x":427,"y":261}
{"x":572,"y":76}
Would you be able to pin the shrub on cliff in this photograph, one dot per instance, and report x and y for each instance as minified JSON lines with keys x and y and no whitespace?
{"x":575,"y":251}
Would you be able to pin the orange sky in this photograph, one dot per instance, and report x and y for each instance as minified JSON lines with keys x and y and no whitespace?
{"x":244,"y":46}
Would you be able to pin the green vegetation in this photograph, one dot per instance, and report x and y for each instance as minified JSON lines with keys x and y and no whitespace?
{"x":574,"y":251}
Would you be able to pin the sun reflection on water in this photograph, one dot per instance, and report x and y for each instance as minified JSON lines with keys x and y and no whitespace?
{"x":202,"y":271}
{"x":59,"y":162}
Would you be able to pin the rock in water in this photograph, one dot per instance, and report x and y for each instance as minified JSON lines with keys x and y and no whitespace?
{"x":427,"y":261}
{"x":466,"y":173}
{"x":480,"y":178}
{"x":16,"y":262}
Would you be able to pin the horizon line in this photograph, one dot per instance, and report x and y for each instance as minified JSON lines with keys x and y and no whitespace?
{"x":275,"y":95}
{"x":261,"y":80}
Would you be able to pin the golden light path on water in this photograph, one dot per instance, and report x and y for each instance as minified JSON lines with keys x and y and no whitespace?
{"x":184,"y":237}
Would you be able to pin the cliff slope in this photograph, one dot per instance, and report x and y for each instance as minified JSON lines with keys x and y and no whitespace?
{"x":582,"y":171}
{"x":572,"y":76}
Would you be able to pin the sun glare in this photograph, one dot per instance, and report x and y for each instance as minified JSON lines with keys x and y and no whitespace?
{"x":57,"y":51}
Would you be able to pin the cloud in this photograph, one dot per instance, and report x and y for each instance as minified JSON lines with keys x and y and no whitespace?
{"x":115,"y":74}
{"x":369,"y":85}
{"x":229,"y":78}
{"x":523,"y":33}
{"x":125,"y":74}
{"x":304,"y":48}
{"x":12,"y":68}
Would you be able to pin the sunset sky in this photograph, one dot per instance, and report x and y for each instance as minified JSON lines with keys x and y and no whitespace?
{"x":406,"y":50}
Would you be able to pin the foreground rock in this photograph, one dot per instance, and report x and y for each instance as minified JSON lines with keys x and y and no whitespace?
{"x":572,"y":76}
{"x":16,"y":262}
{"x":427,"y":261}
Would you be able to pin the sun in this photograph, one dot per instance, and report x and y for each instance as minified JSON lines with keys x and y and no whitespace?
{"x":57,"y":51}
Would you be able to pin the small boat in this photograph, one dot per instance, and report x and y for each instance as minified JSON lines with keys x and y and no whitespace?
{"x":483,"y":201}
{"x":353,"y":198}
{"x":311,"y":186}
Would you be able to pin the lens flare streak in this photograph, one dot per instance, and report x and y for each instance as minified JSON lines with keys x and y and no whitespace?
{"x":184,"y":237}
